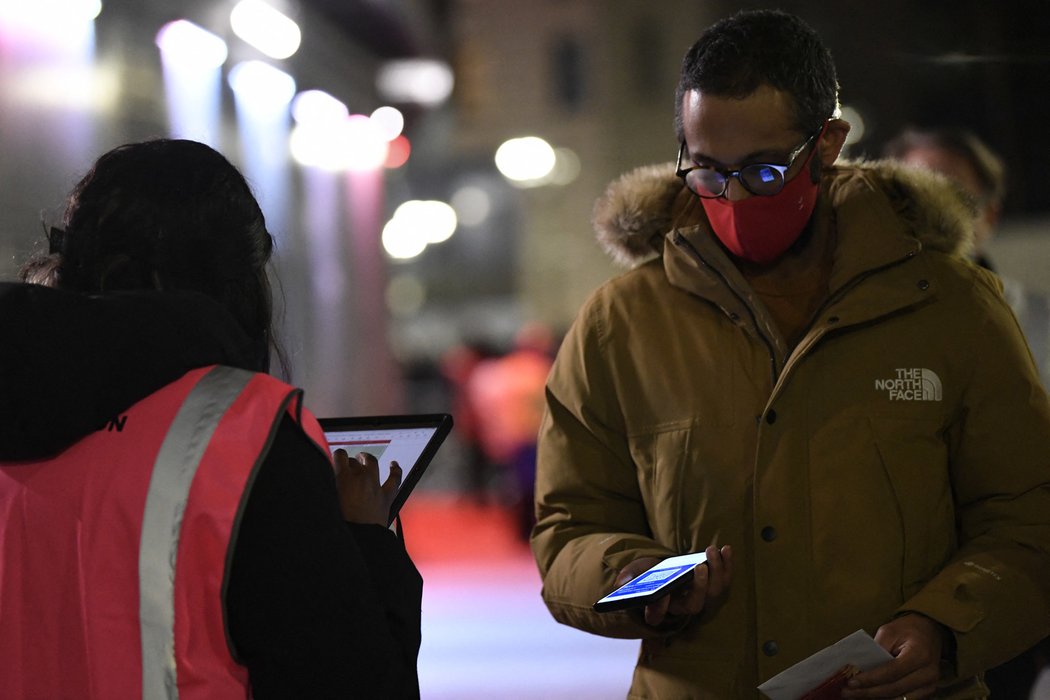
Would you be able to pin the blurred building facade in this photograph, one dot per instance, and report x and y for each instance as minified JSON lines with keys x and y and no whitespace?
{"x":594,"y":78}
{"x":599,"y":78}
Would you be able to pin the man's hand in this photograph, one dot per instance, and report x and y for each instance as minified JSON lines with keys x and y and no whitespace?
{"x":916,"y":642}
{"x":710,"y":580}
{"x":361,"y":498}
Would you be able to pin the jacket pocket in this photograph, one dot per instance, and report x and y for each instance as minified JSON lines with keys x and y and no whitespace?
{"x":663,"y":458}
{"x":696,"y":672}
{"x":915,"y":459}
{"x":857,"y":533}
{"x":692,"y":484}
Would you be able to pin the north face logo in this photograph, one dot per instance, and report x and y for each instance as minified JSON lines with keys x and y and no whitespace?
{"x":915,"y":384}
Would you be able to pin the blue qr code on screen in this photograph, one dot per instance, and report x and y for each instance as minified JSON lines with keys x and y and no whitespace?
{"x":650,"y":581}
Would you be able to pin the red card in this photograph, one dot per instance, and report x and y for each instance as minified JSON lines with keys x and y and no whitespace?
{"x":831,"y":689}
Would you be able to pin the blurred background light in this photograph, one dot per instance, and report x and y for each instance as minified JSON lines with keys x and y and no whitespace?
{"x":416,"y":224}
{"x":856,"y":121}
{"x":365,"y":146}
{"x":48,"y":13}
{"x":265,"y":28}
{"x":415,"y":80}
{"x":183,"y":43}
{"x":405,"y":295}
{"x":261,"y":96}
{"x":398,"y":152}
{"x":566,"y":166}
{"x":192,"y":59}
{"x":389,"y":121}
{"x":525,"y":160}
{"x":472,"y":204}
{"x":400,"y":241}
{"x":313,"y":145}
{"x":318,"y":107}
{"x":435,"y":220}
{"x":65,"y":25}
{"x":260,"y":85}
{"x":352,"y":143}
{"x":88,"y":88}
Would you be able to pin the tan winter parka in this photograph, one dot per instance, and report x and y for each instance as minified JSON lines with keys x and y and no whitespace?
{"x":896,"y":459}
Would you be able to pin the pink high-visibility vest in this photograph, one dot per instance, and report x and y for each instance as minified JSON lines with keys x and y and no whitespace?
{"x":114,"y":554}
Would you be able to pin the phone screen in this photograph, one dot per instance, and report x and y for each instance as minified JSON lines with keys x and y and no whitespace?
{"x":655,"y":583}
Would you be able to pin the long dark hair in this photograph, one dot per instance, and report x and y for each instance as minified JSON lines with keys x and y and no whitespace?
{"x":166,"y":214}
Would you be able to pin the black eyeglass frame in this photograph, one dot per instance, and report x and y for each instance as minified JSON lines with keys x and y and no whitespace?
{"x":728,"y":174}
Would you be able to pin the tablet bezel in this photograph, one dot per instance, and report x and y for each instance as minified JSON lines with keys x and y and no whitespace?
{"x":440,"y":422}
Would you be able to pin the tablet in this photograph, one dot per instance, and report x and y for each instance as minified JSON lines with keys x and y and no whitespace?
{"x":663,"y":578}
{"x":410,"y":440}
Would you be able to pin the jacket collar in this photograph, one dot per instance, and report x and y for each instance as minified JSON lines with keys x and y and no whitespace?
{"x":868,"y":237}
{"x":880,"y":214}
{"x":636,"y":212}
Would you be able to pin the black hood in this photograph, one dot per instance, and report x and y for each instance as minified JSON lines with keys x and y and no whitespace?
{"x":70,"y":362}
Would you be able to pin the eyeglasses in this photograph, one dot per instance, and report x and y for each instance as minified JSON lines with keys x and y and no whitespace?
{"x":762,"y":179}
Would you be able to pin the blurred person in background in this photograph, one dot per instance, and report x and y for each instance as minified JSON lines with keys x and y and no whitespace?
{"x":170,"y":519}
{"x":803,"y":378}
{"x":506,"y":393}
{"x":964,"y":158}
{"x":457,"y":365}
{"x":961,"y":156}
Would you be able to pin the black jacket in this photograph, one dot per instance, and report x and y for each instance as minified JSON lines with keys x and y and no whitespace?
{"x":316,"y":607}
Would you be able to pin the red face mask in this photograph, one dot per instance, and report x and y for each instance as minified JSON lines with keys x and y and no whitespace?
{"x":760,"y":229}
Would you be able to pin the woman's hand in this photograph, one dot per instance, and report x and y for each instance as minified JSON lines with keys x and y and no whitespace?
{"x":362,"y":498}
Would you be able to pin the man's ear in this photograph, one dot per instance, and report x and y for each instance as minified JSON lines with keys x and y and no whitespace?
{"x":831,"y":142}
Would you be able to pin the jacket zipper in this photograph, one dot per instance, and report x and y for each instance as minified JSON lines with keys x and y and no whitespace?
{"x":843,"y":290}
{"x":853,"y":282}
{"x":681,"y":242}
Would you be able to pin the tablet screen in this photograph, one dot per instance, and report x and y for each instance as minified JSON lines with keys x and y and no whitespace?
{"x":410,"y":440}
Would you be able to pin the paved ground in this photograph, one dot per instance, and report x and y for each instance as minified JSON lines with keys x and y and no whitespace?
{"x":486,"y":633}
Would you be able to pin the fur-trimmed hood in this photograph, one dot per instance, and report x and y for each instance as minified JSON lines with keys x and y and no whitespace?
{"x":638,"y":209}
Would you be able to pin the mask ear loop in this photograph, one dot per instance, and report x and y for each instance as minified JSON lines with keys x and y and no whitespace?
{"x":816,"y":166}
{"x":815,"y":170}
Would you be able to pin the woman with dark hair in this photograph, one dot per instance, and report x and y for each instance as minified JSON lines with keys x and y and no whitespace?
{"x":171,"y":524}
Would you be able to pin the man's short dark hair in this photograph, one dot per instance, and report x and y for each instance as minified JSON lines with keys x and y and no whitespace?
{"x":736,"y":55}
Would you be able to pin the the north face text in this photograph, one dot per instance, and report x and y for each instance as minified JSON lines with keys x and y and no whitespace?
{"x":912,"y":384}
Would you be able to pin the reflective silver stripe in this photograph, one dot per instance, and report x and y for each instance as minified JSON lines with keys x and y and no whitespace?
{"x":173,"y":472}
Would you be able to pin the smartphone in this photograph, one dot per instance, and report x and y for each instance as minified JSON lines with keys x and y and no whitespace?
{"x":667,"y":576}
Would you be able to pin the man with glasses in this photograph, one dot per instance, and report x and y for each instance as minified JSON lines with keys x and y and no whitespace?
{"x":791,"y":379}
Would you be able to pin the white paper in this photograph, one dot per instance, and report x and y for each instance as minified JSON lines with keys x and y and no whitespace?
{"x":858,"y":649}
